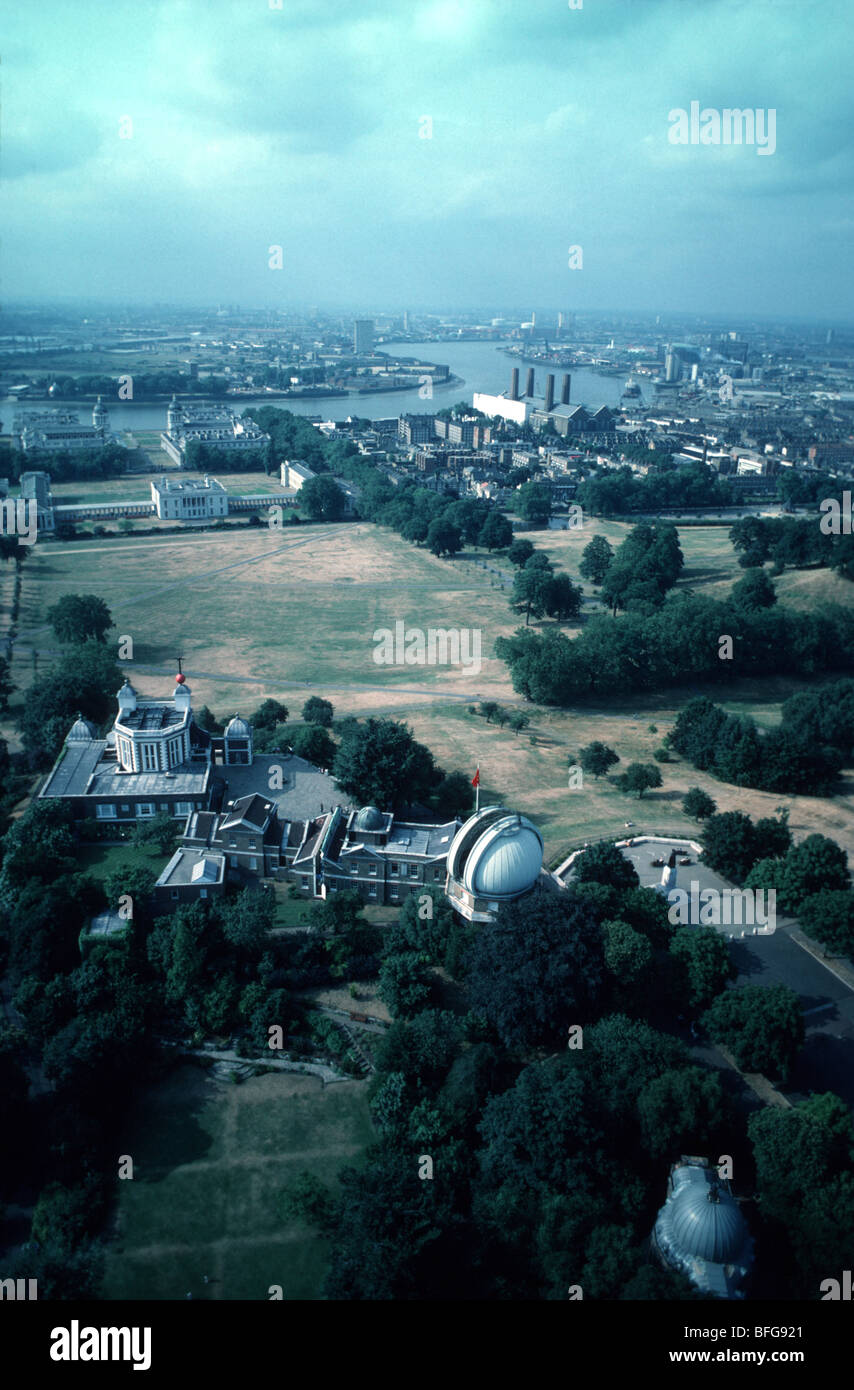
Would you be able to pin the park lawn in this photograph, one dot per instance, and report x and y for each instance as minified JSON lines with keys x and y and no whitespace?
{"x":100,"y":859}
{"x":210,"y":1160}
{"x":291,"y":613}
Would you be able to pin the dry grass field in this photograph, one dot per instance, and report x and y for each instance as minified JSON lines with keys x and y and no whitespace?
{"x":292,"y":612}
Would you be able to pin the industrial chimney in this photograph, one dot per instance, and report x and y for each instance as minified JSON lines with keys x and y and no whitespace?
{"x":564,"y":390}
{"x":550,"y":392}
{"x":514,"y":384}
{"x":529,"y":384}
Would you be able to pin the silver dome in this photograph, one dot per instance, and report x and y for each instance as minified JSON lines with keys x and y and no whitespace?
{"x":369,"y":818}
{"x":496,"y":854}
{"x":237,"y":728}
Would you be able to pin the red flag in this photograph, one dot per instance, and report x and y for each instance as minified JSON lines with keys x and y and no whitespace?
{"x":475,"y":781}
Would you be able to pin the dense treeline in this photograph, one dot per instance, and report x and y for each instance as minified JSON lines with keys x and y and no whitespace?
{"x":616,"y":491}
{"x":679,"y":643}
{"x":792,"y":542}
{"x":805,"y":753}
{"x":66,"y":465}
{"x":468,"y":1194}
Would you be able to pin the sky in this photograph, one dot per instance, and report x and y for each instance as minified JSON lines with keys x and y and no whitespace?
{"x":305,"y":127}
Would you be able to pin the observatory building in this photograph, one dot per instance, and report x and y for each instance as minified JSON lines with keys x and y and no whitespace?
{"x":495,"y":856}
{"x":701,"y":1232}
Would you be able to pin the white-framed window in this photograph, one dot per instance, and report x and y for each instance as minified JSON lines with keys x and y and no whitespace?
{"x":105,"y":812}
{"x":174,"y":751}
{"x":354,"y":868}
{"x":438,"y":875}
{"x":413,"y":871}
{"x":372,"y":869}
{"x":232,"y":844}
{"x":148,"y":756}
{"x":393,"y":868}
{"x":253,"y":863}
{"x":145,"y":808}
{"x":232,"y":859}
{"x":125,"y":808}
{"x":372,"y":891}
{"x":183,"y":808}
{"x":253,"y":844}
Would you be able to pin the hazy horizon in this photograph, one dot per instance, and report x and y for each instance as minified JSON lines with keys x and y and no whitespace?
{"x":254,"y":127}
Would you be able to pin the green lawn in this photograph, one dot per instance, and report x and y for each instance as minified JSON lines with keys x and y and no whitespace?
{"x":209,"y":1162}
{"x":101,"y":860}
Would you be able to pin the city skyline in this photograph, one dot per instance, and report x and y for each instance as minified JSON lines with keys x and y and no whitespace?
{"x":421,"y":155}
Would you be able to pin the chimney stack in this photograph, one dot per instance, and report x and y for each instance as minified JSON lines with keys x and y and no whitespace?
{"x":514,"y":384}
{"x":564,"y":390}
{"x":550,"y":392}
{"x":529,"y":384}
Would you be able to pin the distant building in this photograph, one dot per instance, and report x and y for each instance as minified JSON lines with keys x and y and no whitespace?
{"x":416,"y":429}
{"x":294,"y":474}
{"x":35,"y":487}
{"x":190,"y":874}
{"x":189,"y":499}
{"x":215,"y":425}
{"x":363,"y":336}
{"x":54,"y":430}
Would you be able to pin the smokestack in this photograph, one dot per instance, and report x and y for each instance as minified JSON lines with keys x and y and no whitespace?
{"x":514,"y":384}
{"x":564,"y":388}
{"x":529,"y":384}
{"x":550,"y":392}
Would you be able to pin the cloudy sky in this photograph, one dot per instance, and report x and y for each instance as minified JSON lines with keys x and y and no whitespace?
{"x":254,"y":126}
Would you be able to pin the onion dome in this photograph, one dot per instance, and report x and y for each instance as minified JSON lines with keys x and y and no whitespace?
{"x":237,"y":728}
{"x":81,"y":729}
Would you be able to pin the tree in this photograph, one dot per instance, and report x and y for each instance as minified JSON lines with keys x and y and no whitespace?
{"x":595,"y":559}
{"x":381,"y":764}
{"x":133,"y":880}
{"x":828,"y":916}
{"x":311,"y":742}
{"x":596,"y":758}
{"x":78,"y":617}
{"x":38,"y":846}
{"x":84,"y":682}
{"x":405,"y":983}
{"x":317,"y":711}
{"x":681,"y":1111}
{"x":604,"y":863}
{"x":496,"y":532}
{"x":538,"y":969}
{"x":443,"y":537}
{"x":562,"y":599}
{"x":268,"y":714}
{"x":322,"y":498}
{"x":520,"y":552}
{"x":815,"y":864}
{"x":639,"y":778}
{"x":762,"y":1026}
{"x":628,"y":958}
{"x":519,"y":720}
{"x":159,"y":830}
{"x":454,"y":795}
{"x":729,"y":844}
{"x":531,"y":591}
{"x":534,"y":503}
{"x":698,"y":804}
{"x":754,"y":591}
{"x":704,"y":965}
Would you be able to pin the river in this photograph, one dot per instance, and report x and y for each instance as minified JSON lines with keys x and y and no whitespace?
{"x":481,"y":367}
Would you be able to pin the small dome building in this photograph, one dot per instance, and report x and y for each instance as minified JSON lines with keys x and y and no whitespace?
{"x":701,"y":1232}
{"x":495,"y":856}
{"x":81,"y":731}
{"x":237,"y":742}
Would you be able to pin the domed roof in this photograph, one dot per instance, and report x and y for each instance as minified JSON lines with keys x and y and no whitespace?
{"x":496,"y":854}
{"x":81,"y":729}
{"x":237,"y":728}
{"x":702,"y":1221}
{"x":369,"y":818}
